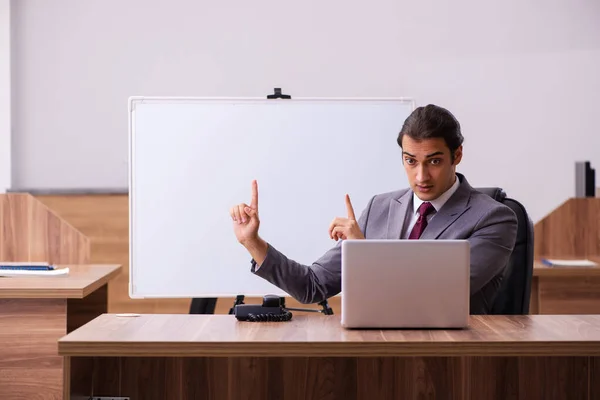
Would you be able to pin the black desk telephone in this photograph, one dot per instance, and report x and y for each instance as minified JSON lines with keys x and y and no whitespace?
{"x":272,"y":309}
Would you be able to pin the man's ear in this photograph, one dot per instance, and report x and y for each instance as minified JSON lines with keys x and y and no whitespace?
{"x":458,"y":155}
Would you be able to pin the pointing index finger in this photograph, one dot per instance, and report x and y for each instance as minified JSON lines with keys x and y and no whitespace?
{"x":254,"y":199}
{"x":349,"y":208}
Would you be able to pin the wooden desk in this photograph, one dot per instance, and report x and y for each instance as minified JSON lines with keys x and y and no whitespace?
{"x":313,"y":357}
{"x":36,"y":312}
{"x":565,"y":290}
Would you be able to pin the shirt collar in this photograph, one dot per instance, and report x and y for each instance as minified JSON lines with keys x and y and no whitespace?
{"x":440,"y":201}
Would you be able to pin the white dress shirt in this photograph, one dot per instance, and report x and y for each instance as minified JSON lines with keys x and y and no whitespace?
{"x":437,"y":205}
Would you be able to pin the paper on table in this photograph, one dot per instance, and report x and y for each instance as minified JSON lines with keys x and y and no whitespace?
{"x":552,"y":262}
{"x":54,"y":272}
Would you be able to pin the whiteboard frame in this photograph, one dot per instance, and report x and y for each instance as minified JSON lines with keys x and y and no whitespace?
{"x":134,"y":100}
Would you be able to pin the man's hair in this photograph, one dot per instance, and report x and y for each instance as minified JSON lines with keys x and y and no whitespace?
{"x":430,"y":122}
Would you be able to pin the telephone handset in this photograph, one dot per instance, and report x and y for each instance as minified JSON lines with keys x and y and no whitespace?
{"x":271,"y":309}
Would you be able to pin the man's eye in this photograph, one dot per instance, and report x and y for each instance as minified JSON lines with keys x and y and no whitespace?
{"x":409,"y":161}
{"x":436,"y":161}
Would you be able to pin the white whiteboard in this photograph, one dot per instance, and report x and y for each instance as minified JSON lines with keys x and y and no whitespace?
{"x":191,"y":159}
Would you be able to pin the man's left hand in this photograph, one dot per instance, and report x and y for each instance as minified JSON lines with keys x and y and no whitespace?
{"x":345,"y":228}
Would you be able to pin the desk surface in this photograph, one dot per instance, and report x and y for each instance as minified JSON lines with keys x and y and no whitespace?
{"x":543,"y":270}
{"x":319,"y":335}
{"x":80,"y":282}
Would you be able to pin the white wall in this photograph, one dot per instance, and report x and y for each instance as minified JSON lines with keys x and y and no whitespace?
{"x":5,"y":97}
{"x":522,"y":77}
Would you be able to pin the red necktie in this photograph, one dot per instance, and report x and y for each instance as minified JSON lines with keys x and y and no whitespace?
{"x":425,"y":209}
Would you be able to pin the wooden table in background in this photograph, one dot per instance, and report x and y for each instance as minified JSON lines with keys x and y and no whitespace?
{"x":565,"y":290}
{"x":34,"y":313}
{"x":313,"y":357}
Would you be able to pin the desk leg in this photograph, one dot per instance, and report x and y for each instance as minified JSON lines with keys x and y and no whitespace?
{"x":82,"y":311}
{"x":352,"y":378}
{"x":66,"y":378}
{"x":30,"y":366}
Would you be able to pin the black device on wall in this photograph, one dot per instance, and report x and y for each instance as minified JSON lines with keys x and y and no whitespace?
{"x":590,"y":180}
{"x":585,"y":179}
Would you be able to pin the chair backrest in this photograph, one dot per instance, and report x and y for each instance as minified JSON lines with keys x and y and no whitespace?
{"x":515,"y":290}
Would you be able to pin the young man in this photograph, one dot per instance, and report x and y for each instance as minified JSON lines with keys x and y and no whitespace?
{"x":440,"y":204}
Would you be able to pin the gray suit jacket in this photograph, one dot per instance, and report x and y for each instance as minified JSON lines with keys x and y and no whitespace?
{"x":489,"y":226}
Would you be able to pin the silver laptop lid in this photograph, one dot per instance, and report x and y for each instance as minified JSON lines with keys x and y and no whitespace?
{"x":405,"y":283}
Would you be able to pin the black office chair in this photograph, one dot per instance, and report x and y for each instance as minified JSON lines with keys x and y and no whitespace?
{"x":203,"y":305}
{"x":515,"y":290}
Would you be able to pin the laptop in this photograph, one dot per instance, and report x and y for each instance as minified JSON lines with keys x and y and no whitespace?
{"x":405,"y":283}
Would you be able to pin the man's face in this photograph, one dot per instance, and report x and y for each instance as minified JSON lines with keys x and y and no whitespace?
{"x":429,"y":166}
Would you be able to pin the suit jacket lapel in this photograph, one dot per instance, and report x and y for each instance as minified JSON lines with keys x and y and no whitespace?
{"x":397,"y":214}
{"x":454,"y":208}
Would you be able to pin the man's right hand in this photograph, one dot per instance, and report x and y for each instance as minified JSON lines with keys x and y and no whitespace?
{"x":245,"y":226}
{"x":245,"y":219}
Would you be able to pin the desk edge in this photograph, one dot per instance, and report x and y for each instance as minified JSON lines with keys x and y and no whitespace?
{"x":327,"y":349}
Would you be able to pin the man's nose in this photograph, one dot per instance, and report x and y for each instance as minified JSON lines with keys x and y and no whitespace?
{"x":422,"y":173}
